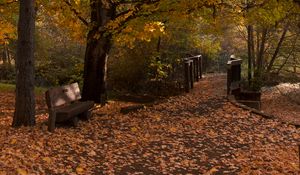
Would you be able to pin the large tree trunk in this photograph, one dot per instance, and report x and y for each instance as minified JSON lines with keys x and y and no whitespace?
{"x":97,"y":50}
{"x":25,"y":101}
{"x":250,"y":44}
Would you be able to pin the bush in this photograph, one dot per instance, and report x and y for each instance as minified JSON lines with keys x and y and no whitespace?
{"x":7,"y":73}
{"x":52,"y":74}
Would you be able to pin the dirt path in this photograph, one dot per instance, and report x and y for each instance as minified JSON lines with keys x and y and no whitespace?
{"x":195,"y":133}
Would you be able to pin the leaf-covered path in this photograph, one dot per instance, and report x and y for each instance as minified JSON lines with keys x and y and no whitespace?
{"x":196,"y":133}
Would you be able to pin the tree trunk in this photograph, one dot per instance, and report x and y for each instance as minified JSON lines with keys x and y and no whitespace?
{"x":274,"y":56}
{"x":257,"y":50}
{"x":25,"y":101}
{"x":261,"y":52}
{"x":250,"y":44}
{"x":97,"y":51}
{"x":5,"y":57}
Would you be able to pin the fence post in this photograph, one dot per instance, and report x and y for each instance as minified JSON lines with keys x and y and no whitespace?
{"x":228,"y":77}
{"x":200,"y":65}
{"x":191,"y":63}
{"x":196,"y":68}
{"x":186,"y":76}
{"x":233,"y":75}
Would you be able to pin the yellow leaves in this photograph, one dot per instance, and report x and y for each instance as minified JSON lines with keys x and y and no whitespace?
{"x":7,"y":31}
{"x":115,"y":24}
{"x":139,"y":32}
{"x":79,"y":170}
{"x":134,"y":129}
{"x":13,"y":141}
{"x":21,"y":172}
{"x":77,"y":2}
{"x":47,"y":159}
{"x":211,"y":171}
{"x":151,"y":27}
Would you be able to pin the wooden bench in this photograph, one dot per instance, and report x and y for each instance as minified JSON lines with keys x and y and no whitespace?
{"x":64,"y":105}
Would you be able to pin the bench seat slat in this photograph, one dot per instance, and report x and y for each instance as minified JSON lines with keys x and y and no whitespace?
{"x":66,"y":112}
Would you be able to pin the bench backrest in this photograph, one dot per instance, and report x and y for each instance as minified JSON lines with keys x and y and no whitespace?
{"x":59,"y":96}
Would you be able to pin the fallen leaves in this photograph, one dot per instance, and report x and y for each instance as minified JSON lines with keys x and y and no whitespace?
{"x":211,"y":171}
{"x":195,"y":133}
{"x":47,"y":159}
{"x":21,"y":172}
{"x":283,"y":101}
{"x":79,"y":170}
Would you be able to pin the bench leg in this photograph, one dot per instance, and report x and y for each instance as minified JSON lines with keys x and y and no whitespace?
{"x":86,"y":115}
{"x":51,"y":121}
{"x":75,"y":121}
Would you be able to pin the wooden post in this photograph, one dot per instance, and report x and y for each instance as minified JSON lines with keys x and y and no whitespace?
{"x":191,"y":63}
{"x":51,"y":120}
{"x":192,"y":71}
{"x":200,"y":66}
{"x":233,"y":74}
{"x":228,"y":77}
{"x":186,"y":76}
{"x":196,"y":68}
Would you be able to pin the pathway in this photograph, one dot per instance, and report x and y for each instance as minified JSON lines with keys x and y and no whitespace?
{"x":196,"y":133}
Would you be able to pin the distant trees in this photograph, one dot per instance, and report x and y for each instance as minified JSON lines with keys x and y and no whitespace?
{"x":269,"y":32}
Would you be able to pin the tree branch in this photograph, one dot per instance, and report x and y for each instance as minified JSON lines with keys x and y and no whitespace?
{"x":76,"y":13}
{"x":8,"y":3}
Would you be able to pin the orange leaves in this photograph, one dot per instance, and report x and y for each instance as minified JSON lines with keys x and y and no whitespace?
{"x":21,"y":172}
{"x":211,"y":171}
{"x":196,"y":133}
{"x":47,"y":159}
{"x":173,"y":129}
{"x":80,"y":170}
{"x":13,"y":141}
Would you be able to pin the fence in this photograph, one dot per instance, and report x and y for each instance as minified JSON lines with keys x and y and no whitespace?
{"x":192,"y":71}
{"x":233,"y":76}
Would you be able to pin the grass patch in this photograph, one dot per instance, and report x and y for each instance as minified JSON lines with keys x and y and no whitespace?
{"x":11,"y":88}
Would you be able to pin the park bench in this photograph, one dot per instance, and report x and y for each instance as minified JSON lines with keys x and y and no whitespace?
{"x":64,"y":105}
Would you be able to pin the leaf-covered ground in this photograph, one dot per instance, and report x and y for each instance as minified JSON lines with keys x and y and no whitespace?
{"x":196,"y":133}
{"x":283,"y":101}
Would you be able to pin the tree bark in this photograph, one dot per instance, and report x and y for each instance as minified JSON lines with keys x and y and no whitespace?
{"x":250,"y":44}
{"x":97,"y":51}
{"x":25,"y":100}
{"x":257,"y":50}
{"x":261,"y":52}
{"x":274,"y":56}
